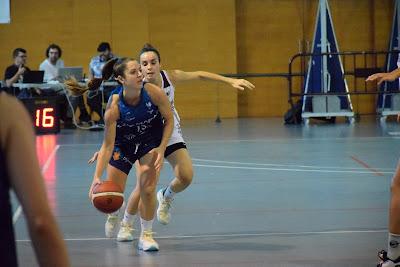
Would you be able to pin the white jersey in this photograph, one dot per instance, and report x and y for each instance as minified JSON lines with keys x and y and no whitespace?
{"x":169,"y":90}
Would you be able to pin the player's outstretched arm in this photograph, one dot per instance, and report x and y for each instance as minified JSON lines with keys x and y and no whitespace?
{"x":182,"y":76}
{"x":384,"y":77}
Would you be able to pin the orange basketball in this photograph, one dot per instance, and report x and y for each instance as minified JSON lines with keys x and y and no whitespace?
{"x":107,"y":197}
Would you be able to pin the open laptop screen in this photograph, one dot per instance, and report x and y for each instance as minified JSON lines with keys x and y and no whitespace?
{"x":67,"y":72}
{"x":33,"y":76}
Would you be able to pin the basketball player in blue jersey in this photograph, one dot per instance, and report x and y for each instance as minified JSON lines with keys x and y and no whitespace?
{"x":391,"y":257}
{"x":176,"y":152}
{"x":138,"y":125}
{"x":19,"y":171}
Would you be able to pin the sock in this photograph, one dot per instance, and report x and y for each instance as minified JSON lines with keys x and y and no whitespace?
{"x":146,"y":225}
{"x":394,"y":246}
{"x":116,"y":213}
{"x":168,"y":193}
{"x":128,"y":218}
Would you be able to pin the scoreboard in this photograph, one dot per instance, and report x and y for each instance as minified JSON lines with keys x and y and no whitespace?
{"x":44,"y":113}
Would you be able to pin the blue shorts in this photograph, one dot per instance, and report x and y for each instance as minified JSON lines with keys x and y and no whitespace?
{"x":124,"y":156}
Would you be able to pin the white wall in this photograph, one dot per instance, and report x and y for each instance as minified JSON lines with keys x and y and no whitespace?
{"x":5,"y":11}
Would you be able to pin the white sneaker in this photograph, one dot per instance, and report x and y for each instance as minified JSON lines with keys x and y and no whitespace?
{"x":125,"y":233}
{"x":146,"y":242}
{"x":111,"y":225}
{"x":386,"y":262}
{"x":389,"y":263}
{"x":163,"y":214}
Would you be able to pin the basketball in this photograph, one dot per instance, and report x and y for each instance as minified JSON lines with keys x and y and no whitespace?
{"x":107,"y":197}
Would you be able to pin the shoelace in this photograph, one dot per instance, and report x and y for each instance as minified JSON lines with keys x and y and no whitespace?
{"x":166,"y":203}
{"x":148,"y":234}
{"x":127,"y":227}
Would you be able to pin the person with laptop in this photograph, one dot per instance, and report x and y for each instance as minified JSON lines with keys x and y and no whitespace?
{"x":52,"y":66}
{"x":95,"y":98}
{"x":96,"y":63}
{"x":15,"y":73}
{"x":52,"y":63}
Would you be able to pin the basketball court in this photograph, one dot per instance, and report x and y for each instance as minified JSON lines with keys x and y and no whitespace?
{"x":264,"y":194}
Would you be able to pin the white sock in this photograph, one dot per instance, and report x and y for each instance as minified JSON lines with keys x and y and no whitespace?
{"x":146,"y":225}
{"x":116,"y":213}
{"x":394,"y":246}
{"x":128,"y":219}
{"x":168,"y":193}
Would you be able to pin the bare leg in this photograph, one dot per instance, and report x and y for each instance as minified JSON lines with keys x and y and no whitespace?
{"x":117,"y":176}
{"x":147,"y":204}
{"x":147,"y":182}
{"x":134,"y":198}
{"x":183,"y":169}
{"x":182,"y":164}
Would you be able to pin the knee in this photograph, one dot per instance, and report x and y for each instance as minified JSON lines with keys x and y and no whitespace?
{"x":148,"y":190}
{"x":185,"y":175}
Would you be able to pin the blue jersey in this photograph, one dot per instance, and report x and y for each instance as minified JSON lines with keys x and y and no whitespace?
{"x":8,"y":255}
{"x":139,"y":124}
{"x":116,"y":90}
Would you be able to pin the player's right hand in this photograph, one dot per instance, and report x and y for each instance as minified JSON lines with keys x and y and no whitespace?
{"x":95,"y":182}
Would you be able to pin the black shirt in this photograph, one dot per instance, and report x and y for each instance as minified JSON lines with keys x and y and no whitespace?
{"x":8,"y":253}
{"x":11,"y":71}
{"x":8,"y":74}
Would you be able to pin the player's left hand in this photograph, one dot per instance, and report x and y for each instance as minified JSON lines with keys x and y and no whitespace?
{"x":241,"y":84}
{"x":159,"y":154}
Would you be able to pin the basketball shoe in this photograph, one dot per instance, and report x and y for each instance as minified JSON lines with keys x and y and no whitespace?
{"x":146,"y":241}
{"x":164,"y":205}
{"x":125,"y":233}
{"x":386,"y":262}
{"x":111,"y":225}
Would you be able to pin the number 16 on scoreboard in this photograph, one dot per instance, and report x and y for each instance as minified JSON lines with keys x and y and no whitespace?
{"x":44,"y":112}
{"x":44,"y":118}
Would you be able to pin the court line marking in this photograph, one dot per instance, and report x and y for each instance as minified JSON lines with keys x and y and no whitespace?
{"x":287,"y":169}
{"x":359,"y":161}
{"x":334,"y":232}
{"x":283,"y":165}
{"x":46,"y":165}
{"x":318,"y":168}
{"x":262,"y":140}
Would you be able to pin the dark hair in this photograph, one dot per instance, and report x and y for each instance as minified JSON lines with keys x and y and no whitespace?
{"x":103,"y":46}
{"x":53,"y":46}
{"x":17,"y":51}
{"x":120,"y":66}
{"x":149,"y":48}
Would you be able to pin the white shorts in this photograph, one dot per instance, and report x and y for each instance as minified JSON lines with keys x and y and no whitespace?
{"x":176,"y":136}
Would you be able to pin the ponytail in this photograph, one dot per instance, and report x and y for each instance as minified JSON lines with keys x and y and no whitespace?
{"x":77,"y":89}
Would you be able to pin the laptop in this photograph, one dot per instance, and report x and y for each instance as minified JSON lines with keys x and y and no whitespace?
{"x":66,"y":72}
{"x":33,"y":76}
